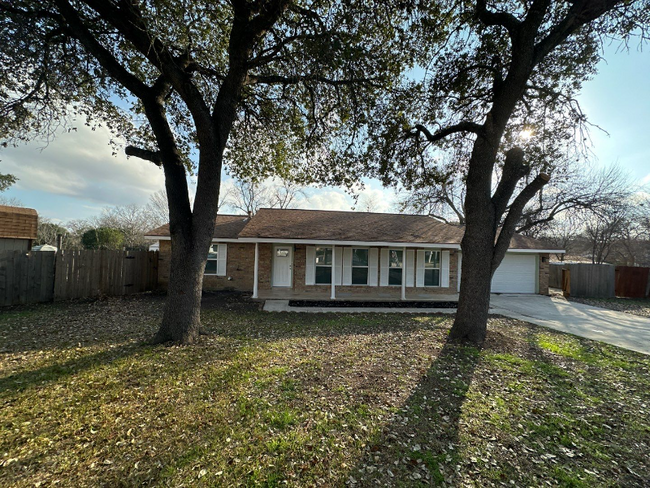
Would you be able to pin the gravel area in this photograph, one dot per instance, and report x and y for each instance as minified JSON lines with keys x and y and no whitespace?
{"x":634,"y":306}
{"x":628,"y":305}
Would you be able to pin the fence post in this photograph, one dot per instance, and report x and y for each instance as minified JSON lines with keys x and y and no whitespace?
{"x":566,"y":282}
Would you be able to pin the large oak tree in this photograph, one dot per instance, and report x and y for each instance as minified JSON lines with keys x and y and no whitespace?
{"x":275,"y":86}
{"x":508,"y":68}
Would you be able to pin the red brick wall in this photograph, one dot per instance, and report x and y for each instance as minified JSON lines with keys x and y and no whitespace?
{"x":239,"y":268}
{"x":543,"y":273}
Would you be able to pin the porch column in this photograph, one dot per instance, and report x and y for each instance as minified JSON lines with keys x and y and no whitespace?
{"x":403,"y":273}
{"x":256,"y":269}
{"x":333,"y":295}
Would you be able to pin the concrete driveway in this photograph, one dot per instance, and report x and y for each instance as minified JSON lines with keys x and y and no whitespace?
{"x":620,"y":329}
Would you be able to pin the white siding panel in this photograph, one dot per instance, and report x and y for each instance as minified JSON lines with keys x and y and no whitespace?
{"x":410,"y":267}
{"x":419,"y":275}
{"x":222,"y":259}
{"x":373,"y":258}
{"x":338,"y":265}
{"x":347,"y":266}
{"x":444,"y":269}
{"x":310,"y":266}
{"x":383,"y":277}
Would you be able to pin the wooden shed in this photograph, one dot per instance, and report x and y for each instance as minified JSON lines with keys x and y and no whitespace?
{"x":18,"y":228}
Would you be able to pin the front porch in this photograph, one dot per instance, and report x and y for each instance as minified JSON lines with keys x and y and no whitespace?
{"x":379,"y":294}
{"x":288,"y":271}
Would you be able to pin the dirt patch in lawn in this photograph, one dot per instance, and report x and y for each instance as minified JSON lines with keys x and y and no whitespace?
{"x":229,"y":300}
{"x":312,"y":400}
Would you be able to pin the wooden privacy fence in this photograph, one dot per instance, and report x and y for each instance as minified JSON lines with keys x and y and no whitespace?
{"x":26,"y":278}
{"x":632,"y":281}
{"x":555,"y":275}
{"x":47,"y":276}
{"x":601,"y":280}
{"x":584,"y":280}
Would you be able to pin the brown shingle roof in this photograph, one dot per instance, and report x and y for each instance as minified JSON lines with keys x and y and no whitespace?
{"x":361,"y":226}
{"x":226,"y":227}
{"x":350,"y":226}
{"x":329,"y":225}
{"x":18,"y":222}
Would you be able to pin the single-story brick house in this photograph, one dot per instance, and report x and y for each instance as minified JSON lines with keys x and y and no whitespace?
{"x":350,"y":255}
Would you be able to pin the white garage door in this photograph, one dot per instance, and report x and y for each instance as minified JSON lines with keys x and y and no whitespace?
{"x":516,"y":274}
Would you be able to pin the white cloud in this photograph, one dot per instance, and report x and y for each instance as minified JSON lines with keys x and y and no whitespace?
{"x":80,"y":165}
{"x":322,"y":199}
{"x":369,"y":199}
{"x":376,"y":200}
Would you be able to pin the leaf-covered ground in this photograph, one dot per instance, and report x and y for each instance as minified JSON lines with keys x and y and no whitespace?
{"x":309,"y":399}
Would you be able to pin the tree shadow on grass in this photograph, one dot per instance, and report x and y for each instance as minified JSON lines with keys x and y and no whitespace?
{"x":532,"y":416}
{"x":80,"y":323}
{"x":51,"y":373}
{"x":409,"y":450}
{"x":290,"y":325}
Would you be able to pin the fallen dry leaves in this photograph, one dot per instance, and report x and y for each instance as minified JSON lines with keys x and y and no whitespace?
{"x":311,"y":400}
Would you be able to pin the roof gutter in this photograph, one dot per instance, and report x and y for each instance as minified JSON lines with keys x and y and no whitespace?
{"x":329,"y":242}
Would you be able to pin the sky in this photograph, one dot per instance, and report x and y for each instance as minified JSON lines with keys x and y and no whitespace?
{"x":75,"y":175}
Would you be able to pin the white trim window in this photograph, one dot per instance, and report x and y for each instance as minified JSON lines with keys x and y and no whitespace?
{"x":323,"y":274}
{"x":216,"y":263}
{"x":395,"y":267}
{"x":360,"y":261}
{"x":431,"y":268}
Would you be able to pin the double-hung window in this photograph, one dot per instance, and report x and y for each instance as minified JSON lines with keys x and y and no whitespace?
{"x":395,"y":266}
{"x":359,"y":266}
{"x":323,"y":265}
{"x":432,"y":268}
{"x":213,"y":256}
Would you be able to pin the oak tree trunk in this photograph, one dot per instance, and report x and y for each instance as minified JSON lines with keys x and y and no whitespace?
{"x":182,"y":314}
{"x":474,"y":298}
{"x":191,"y":236}
{"x":477,"y":245}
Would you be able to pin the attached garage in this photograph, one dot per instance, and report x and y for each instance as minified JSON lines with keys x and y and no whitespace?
{"x":517,"y":273}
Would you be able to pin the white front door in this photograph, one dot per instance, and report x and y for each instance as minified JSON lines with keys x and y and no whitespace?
{"x":282,"y":265}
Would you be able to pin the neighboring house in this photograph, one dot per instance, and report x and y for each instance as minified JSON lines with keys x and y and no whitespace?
{"x":350,"y":255}
{"x":18,"y":228}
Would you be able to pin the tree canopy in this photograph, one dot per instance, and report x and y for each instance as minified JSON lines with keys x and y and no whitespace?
{"x":309,"y":73}
{"x":497,"y":99}
{"x":6,"y":180}
{"x":269,"y":87}
{"x":103,"y":238}
{"x":424,"y":133}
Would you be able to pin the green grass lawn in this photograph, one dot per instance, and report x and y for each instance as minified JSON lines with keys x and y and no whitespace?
{"x":309,"y":399}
